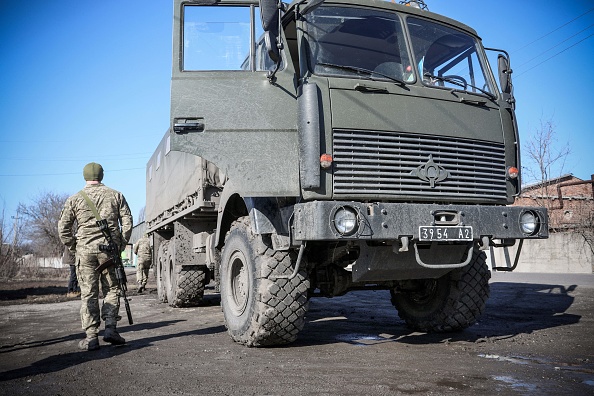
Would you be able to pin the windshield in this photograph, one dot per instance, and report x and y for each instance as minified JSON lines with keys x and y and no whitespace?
{"x":346,"y":41}
{"x":363,"y":43}
{"x":446,"y":57}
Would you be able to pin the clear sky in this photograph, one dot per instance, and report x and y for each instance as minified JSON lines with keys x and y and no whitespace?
{"x":84,"y":81}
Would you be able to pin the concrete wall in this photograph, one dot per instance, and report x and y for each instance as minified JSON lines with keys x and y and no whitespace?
{"x":564,"y":252}
{"x":45,"y":262}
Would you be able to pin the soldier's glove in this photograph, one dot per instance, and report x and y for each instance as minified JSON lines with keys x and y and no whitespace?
{"x":109,"y":248}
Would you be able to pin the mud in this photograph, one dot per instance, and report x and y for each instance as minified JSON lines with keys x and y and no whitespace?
{"x":535,"y":338}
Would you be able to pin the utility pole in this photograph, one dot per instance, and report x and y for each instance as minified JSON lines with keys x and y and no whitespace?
{"x":14,"y":230}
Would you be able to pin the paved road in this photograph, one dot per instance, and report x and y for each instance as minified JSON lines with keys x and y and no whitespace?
{"x":535,"y":338}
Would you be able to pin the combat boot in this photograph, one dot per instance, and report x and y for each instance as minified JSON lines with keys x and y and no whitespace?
{"x":140,"y":289}
{"x":113,"y":337}
{"x":89,"y":344}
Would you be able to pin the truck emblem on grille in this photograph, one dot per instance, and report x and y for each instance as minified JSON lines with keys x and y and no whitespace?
{"x":430,"y":172}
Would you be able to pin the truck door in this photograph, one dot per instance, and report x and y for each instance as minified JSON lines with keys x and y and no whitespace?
{"x":223,"y":108}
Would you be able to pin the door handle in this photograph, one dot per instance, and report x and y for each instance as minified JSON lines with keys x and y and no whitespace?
{"x":477,"y":102}
{"x":367,"y":88}
{"x":188,"y":126}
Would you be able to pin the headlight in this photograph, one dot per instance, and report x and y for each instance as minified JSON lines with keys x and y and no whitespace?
{"x":529,"y":223}
{"x":346,"y":220}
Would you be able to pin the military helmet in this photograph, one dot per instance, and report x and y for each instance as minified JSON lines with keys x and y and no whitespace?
{"x":93,"y":171}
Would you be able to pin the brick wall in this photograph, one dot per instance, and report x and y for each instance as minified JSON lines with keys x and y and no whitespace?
{"x":578,"y":203}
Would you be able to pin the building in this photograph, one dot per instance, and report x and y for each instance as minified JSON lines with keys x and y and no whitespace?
{"x":570,"y":247}
{"x":569,"y":200}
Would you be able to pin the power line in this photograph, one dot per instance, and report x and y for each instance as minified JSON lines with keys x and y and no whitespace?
{"x":69,"y":173}
{"x":555,"y":46}
{"x":107,"y":156}
{"x":558,"y":53}
{"x":76,"y":160}
{"x":554,"y":30}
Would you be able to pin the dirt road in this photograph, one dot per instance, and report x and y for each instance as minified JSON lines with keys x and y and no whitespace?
{"x":535,"y":338}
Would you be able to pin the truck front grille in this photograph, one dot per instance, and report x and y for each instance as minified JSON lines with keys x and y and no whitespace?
{"x":392,"y":164}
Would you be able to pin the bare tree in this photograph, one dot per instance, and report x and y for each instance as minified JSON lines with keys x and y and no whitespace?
{"x":586,"y":226}
{"x":544,"y":158}
{"x":9,"y":245}
{"x":545,"y":161}
{"x":40,"y":223}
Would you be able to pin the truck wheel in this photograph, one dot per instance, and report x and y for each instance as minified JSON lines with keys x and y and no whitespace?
{"x":161,"y":263}
{"x":185,"y":285}
{"x":259,"y":308}
{"x":450,"y":303}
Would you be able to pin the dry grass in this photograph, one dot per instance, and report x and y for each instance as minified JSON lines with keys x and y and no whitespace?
{"x":28,"y":269}
{"x":33,"y":291}
{"x":27,"y":283}
{"x":47,"y":285}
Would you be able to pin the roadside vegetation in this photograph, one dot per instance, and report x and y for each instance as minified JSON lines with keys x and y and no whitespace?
{"x":30,"y":245}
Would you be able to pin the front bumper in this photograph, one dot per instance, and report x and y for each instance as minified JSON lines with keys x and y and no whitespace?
{"x":314,"y":221}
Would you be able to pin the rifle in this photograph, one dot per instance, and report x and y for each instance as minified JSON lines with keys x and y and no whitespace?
{"x":113,"y":252}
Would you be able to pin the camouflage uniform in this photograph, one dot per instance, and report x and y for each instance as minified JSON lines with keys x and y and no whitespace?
{"x":142,"y":249}
{"x":112,"y":206}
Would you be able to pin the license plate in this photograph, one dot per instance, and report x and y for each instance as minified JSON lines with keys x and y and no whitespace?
{"x":445,"y":233}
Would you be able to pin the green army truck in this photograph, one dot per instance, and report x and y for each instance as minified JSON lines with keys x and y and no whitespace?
{"x":320,"y":147}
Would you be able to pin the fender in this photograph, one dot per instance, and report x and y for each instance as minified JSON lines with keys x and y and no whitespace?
{"x":268,"y":215}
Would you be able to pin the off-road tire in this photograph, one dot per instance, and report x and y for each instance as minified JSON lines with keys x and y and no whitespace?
{"x":185,"y":285}
{"x":180,"y":286}
{"x":161,"y":263}
{"x":451,"y":303}
{"x":259,"y":308}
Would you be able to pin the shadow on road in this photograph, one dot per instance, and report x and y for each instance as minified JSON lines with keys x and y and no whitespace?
{"x":18,"y":294}
{"x":60,"y":362}
{"x":368,"y":317}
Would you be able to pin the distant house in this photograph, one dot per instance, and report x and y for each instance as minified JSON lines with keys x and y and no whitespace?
{"x":137,"y":232}
{"x":570,"y":201}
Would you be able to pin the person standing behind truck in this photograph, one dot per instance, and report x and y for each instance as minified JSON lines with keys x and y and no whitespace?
{"x":96,"y":200}
{"x":73,"y":287}
{"x":142,"y":249}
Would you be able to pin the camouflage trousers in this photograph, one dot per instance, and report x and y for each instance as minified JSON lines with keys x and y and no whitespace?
{"x":142,"y":271}
{"x":90,"y":281}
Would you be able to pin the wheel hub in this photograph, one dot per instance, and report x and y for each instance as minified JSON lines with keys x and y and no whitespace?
{"x":239,"y":283}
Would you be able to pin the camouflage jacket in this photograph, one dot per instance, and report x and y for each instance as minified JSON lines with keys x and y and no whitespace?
{"x":142,"y":249}
{"x":111,"y":205}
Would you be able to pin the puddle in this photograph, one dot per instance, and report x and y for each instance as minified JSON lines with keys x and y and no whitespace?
{"x":515,"y":384}
{"x":561,"y":366}
{"x":517,"y":360}
{"x":364,"y":339}
{"x":534,"y":360}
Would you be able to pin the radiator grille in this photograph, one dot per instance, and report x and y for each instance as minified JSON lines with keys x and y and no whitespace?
{"x":397,"y":164}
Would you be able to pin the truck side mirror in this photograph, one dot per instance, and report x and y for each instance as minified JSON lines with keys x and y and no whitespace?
{"x":269,"y":13}
{"x":504,"y":73}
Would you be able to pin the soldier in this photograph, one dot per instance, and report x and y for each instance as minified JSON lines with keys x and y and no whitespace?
{"x":110,"y":205}
{"x":143,"y":250}
{"x":73,"y":288}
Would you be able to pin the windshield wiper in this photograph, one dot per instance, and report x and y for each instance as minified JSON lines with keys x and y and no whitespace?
{"x":459,"y":82}
{"x":367,"y":72}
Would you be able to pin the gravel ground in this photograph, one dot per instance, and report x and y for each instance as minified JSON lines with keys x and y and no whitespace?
{"x":535,"y":338}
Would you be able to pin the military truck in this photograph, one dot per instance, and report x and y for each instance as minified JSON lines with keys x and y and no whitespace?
{"x":320,"y":147}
